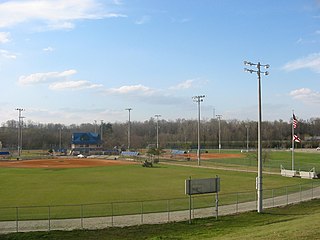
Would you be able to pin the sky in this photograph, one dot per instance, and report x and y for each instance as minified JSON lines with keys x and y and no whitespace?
{"x":81,"y":61}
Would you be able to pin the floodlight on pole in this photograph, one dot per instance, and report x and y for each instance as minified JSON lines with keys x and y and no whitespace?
{"x":60,"y":142}
{"x":259,"y":178}
{"x":247,"y":128}
{"x":219,"y":119}
{"x":129,"y":128}
{"x":198,"y":99}
{"x":20,"y":130}
{"x":157,"y":116}
{"x":95,"y":126}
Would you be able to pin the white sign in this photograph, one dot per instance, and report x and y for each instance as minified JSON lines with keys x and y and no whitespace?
{"x":202,"y":186}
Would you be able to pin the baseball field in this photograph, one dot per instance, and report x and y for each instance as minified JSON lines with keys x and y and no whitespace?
{"x":63,"y":181}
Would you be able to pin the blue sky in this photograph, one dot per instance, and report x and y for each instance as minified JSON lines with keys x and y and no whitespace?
{"x":76,"y":61}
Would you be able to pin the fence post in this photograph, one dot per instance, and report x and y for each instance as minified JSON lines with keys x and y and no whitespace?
{"x":311,"y":190}
{"x":81,"y":212}
{"x":112,"y":214}
{"x":192,"y":207}
{"x":168,"y":209}
{"x":287,"y":195}
{"x":300,"y":192}
{"x":141,"y":212}
{"x":49,"y":218}
{"x":237,"y":204}
{"x":17,"y":219}
{"x":272,"y":198}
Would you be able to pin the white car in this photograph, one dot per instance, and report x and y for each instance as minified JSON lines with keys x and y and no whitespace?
{"x":81,"y":156}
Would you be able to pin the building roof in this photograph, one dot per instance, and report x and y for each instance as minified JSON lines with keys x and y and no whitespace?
{"x":86,"y":138}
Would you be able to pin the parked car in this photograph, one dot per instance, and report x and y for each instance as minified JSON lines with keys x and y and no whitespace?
{"x":81,"y":156}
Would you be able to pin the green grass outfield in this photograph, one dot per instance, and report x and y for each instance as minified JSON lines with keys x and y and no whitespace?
{"x":303,"y":160}
{"x":291,"y":222}
{"x":51,"y":187}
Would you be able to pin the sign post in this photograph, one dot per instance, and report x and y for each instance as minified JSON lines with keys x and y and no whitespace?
{"x":202,"y":186}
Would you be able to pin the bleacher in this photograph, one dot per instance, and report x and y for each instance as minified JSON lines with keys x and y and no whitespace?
{"x":129,"y":154}
{"x":178,"y":152}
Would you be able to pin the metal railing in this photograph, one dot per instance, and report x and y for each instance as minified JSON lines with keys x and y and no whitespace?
{"x":102,"y":215}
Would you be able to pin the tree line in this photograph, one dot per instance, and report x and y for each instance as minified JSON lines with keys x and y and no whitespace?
{"x":180,"y":134}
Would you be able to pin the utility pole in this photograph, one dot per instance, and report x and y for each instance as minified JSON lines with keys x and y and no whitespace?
{"x":219,"y":118}
{"x":198,"y":99}
{"x":20,"y":130}
{"x":129,"y":128}
{"x":157,"y":116}
{"x":259,"y":178}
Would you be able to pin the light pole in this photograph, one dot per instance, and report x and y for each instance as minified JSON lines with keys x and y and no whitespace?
{"x":198,"y":99}
{"x":101,"y":130}
{"x":157,"y":116}
{"x":129,"y":128}
{"x":20,"y":131}
{"x":247,"y":127}
{"x":219,"y":118}
{"x":95,"y":126}
{"x":259,"y":178}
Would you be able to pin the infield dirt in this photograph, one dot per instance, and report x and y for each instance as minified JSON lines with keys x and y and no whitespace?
{"x":62,"y":163}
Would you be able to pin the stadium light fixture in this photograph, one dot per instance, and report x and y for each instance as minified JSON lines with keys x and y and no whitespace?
{"x":198,"y":99}
{"x":219,"y":118}
{"x":259,"y":178}
{"x":129,"y":128}
{"x":157,"y":116}
{"x":20,"y":130}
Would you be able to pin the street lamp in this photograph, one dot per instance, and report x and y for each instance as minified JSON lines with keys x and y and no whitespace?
{"x":157,"y":116}
{"x":198,"y":99}
{"x":259,"y":178}
{"x":129,"y":128}
{"x":20,"y":130}
{"x":219,"y":118}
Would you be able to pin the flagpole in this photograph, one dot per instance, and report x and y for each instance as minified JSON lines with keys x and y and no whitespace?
{"x":292,"y":139}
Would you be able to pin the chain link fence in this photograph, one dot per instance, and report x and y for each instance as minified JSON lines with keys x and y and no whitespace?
{"x":102,"y":215}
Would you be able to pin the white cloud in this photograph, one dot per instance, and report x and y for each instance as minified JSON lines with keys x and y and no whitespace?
{"x":134,"y":89}
{"x":184,"y":85}
{"x":142,"y":20}
{"x":48,"y":49}
{"x":117,"y":2}
{"x":7,"y":54}
{"x":310,"y":62}
{"x":36,"y":78}
{"x":306,"y":95}
{"x":74,"y":85}
{"x":53,"y":13}
{"x":4,"y":37}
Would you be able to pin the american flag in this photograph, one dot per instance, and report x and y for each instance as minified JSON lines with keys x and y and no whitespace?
{"x":296,"y":138}
{"x":295,"y":121}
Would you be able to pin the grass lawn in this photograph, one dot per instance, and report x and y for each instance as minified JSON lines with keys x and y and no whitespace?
{"x":304,"y":161}
{"x":28,"y":187}
{"x":44,"y":187}
{"x":291,"y":222}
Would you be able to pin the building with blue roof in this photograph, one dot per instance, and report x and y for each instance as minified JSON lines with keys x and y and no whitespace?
{"x":86,"y":143}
